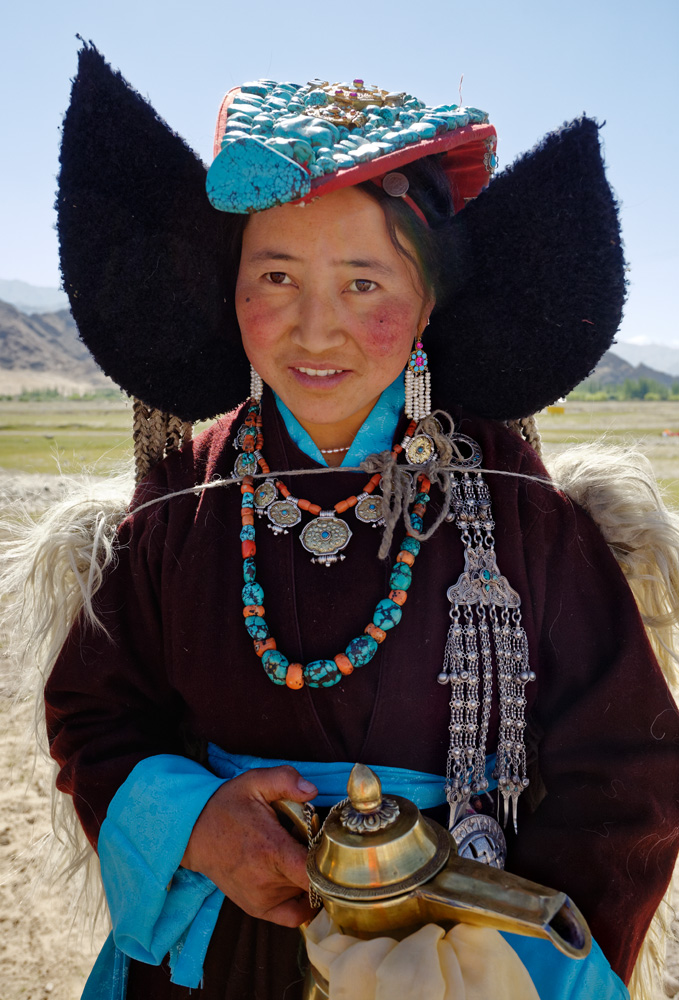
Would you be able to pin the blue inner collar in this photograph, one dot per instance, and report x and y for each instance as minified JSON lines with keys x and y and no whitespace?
{"x":375,"y":434}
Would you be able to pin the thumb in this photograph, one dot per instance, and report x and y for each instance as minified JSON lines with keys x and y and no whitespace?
{"x":283,"y":782}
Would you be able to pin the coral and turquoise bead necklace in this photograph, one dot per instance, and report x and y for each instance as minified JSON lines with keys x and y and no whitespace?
{"x":387,"y":614}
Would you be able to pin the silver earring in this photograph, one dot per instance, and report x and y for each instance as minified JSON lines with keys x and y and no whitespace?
{"x":256,"y":385}
{"x":418,"y":384}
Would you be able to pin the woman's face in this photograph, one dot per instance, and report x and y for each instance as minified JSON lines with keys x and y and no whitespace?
{"x":328,"y":309}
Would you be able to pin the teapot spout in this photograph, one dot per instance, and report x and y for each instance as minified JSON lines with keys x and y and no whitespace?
{"x":468,"y":892}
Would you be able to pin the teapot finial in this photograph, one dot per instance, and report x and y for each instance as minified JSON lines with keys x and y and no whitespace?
{"x":364,"y":789}
{"x":367,"y":811}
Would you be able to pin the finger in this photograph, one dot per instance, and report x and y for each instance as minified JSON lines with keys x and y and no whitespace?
{"x":290,"y":863}
{"x":283,"y":782}
{"x":291,"y":913}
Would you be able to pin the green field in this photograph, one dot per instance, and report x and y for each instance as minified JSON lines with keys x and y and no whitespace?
{"x":68,"y":435}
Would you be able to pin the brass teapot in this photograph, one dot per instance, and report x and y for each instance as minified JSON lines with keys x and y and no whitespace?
{"x":383,"y":869}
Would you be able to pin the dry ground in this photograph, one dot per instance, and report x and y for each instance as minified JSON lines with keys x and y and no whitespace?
{"x":41,"y":956}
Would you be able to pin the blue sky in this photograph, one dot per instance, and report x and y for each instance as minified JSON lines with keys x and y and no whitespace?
{"x":530,"y":64}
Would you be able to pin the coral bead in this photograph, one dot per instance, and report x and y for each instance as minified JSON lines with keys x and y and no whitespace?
{"x":344,"y":664}
{"x":248,"y":548}
{"x":398,"y":596}
{"x":253,"y":609}
{"x":378,"y":634}
{"x":261,"y":645}
{"x":294,"y":677}
{"x":405,"y":557}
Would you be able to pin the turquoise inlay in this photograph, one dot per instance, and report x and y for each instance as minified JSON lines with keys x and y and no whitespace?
{"x":411,"y":545}
{"x":252,"y":593}
{"x":387,"y":614}
{"x":361,"y":650}
{"x":322,"y":673}
{"x":276,"y":665}
{"x":247,"y":174}
{"x":282,"y":119}
{"x":376,"y":433}
{"x":257,"y":627}
{"x":401,"y":576}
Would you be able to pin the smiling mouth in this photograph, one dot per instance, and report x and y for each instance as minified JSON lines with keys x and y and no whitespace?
{"x":319,"y":372}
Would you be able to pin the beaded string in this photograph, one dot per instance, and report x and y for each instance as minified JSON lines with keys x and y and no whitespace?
{"x":253,"y":443}
{"x":340,"y":507}
{"x":388,"y":612}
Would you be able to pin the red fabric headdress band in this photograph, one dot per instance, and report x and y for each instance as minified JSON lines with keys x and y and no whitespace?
{"x":396,"y":184}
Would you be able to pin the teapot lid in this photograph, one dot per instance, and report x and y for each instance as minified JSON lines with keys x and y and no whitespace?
{"x":375,"y":846}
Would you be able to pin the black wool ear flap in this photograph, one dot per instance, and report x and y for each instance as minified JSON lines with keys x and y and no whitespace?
{"x":148,"y":264}
{"x":543,"y":286}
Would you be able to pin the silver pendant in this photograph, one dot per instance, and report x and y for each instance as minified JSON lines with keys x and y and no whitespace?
{"x":420,"y":449}
{"x":325,"y":536}
{"x":482,"y":583}
{"x":283,"y":514}
{"x":246,"y":465}
{"x":480,"y":838}
{"x":264,"y":495}
{"x":369,"y":509}
{"x":466,"y":452}
{"x":239,"y":438}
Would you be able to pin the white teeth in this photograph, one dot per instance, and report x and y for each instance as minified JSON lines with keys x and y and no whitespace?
{"x":319,"y":371}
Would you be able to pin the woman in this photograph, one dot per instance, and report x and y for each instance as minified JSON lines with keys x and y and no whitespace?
{"x":169,"y":733}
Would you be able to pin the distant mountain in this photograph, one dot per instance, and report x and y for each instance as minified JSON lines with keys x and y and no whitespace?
{"x":614,"y":370}
{"x":660,"y":356}
{"x":45,"y":343}
{"x":32,"y":298}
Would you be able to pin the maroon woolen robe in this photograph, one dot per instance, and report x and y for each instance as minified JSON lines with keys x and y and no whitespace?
{"x":179,"y":669}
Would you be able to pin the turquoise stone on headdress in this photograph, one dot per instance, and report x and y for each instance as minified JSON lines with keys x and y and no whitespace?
{"x":248,"y":173}
{"x":278,"y":138}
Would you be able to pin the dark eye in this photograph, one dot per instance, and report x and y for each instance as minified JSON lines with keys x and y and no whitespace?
{"x":278,"y":277}
{"x":363,"y":284}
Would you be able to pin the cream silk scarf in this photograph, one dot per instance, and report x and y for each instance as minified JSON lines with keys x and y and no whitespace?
{"x":467,"y":963}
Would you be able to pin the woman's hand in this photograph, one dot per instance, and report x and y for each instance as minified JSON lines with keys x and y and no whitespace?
{"x":239,"y":844}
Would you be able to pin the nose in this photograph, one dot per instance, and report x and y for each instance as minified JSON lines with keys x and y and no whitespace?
{"x":319,"y":326}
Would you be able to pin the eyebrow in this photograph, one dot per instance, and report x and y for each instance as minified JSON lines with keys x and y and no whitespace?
{"x":362,"y":263}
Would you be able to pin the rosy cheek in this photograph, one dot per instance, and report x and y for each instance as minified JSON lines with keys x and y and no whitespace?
{"x":257,"y":318}
{"x":387,"y":331}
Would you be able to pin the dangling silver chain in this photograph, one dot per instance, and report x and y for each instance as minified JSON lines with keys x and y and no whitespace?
{"x":485,"y":628}
{"x":313,"y":839}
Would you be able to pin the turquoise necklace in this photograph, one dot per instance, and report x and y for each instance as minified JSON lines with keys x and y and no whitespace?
{"x":388,"y":612}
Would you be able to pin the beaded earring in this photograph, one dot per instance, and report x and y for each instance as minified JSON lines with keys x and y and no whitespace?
{"x":417,"y":384}
{"x":256,"y":385}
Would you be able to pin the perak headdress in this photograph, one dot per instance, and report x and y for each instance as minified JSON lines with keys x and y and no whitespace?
{"x":150,"y":266}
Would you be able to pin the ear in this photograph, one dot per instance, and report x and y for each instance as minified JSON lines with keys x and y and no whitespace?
{"x":542,"y":286}
{"x":148,"y":264}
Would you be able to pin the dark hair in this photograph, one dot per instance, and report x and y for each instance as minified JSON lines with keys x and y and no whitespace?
{"x":430,"y":190}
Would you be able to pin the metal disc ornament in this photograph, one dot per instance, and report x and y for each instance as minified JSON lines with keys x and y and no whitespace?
{"x":466,"y":452}
{"x":246,"y":465}
{"x":283,"y":515}
{"x":264,"y":495}
{"x":420,"y":449}
{"x":324,"y":537}
{"x":369,"y":510}
{"x":480,"y":838}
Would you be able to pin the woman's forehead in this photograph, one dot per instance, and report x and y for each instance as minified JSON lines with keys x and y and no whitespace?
{"x":348,"y":215}
{"x":345,"y":222}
